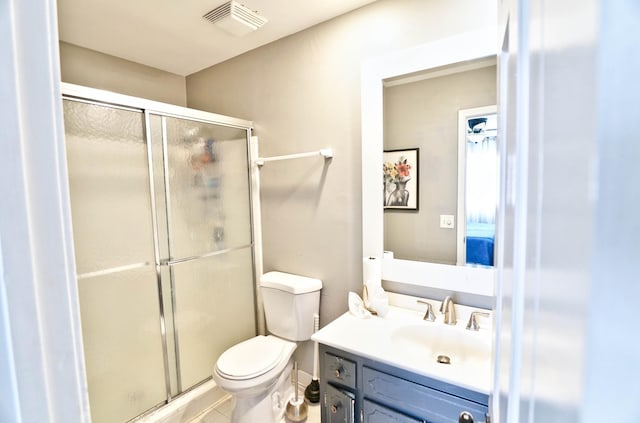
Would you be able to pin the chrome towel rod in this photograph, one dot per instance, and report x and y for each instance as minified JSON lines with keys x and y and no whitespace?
{"x":327,"y":153}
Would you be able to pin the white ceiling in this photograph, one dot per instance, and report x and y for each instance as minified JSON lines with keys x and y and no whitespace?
{"x":172,"y":35}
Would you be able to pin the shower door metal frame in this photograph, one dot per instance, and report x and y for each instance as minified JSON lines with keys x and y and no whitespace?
{"x":93,"y":95}
{"x":147,"y":108}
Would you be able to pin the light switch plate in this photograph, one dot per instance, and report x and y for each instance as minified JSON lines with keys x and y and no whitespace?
{"x":447,"y":221}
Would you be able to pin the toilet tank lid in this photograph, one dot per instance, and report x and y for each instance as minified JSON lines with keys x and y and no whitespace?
{"x":295,"y":284}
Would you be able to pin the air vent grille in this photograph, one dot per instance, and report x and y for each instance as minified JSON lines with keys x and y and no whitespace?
{"x":235,"y":18}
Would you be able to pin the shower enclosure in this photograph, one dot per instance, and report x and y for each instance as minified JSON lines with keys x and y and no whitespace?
{"x":164,"y":245}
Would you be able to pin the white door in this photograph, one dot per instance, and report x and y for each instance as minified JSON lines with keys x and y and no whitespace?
{"x":567,"y":278}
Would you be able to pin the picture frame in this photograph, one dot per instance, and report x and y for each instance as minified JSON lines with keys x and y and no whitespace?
{"x":401,"y":179}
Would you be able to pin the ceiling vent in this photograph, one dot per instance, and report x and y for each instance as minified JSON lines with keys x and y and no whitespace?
{"x":235,"y":18}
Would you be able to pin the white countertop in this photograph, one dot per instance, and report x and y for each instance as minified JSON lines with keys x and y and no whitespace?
{"x":378,"y":339}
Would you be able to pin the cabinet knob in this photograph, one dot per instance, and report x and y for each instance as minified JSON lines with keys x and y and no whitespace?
{"x":335,"y":408}
{"x":465,"y":417}
{"x":337,"y":372}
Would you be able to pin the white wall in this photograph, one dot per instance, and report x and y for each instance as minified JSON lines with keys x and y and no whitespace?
{"x":93,"y":69}
{"x":303,"y":94}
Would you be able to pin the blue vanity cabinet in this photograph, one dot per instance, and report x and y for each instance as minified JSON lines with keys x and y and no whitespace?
{"x":380,"y":393}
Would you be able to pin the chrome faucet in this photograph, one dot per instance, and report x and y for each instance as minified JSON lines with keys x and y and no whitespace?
{"x":447,"y":307}
{"x":428,"y":315}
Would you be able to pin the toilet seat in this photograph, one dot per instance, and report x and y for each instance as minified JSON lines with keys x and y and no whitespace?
{"x":252,"y":358}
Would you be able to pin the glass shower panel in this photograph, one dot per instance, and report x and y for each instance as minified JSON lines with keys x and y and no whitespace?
{"x":214,"y":310}
{"x":122,"y":344}
{"x":108,"y":171}
{"x":208,"y":196}
{"x":115,"y":261}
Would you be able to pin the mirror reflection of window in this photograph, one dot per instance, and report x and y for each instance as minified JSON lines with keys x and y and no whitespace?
{"x":481,"y":195}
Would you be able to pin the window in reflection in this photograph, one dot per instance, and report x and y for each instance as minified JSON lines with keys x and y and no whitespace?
{"x":481,"y":193}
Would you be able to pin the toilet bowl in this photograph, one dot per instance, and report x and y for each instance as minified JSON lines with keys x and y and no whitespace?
{"x":256,"y":372}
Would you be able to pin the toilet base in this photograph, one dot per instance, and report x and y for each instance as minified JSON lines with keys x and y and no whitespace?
{"x":267,"y":406}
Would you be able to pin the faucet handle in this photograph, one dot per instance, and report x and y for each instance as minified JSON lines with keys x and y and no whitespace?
{"x":473,"y":323}
{"x":429,"y":314}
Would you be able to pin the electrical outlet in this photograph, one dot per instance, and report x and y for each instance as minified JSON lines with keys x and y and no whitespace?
{"x":447,"y":221}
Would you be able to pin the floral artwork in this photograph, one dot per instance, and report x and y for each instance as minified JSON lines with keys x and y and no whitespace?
{"x":400,"y":179}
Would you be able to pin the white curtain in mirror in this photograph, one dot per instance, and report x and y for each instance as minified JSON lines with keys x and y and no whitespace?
{"x":481,"y":180}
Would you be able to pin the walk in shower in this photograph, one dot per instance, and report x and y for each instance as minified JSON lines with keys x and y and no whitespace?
{"x":163,"y":239}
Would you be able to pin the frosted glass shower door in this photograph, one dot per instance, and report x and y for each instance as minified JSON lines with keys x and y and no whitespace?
{"x":163,"y":245}
{"x":115,"y":262}
{"x":209,"y":248}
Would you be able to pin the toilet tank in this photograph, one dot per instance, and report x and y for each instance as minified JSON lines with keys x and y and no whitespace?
{"x":290,"y":301}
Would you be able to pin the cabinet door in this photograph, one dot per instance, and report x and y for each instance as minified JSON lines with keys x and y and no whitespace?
{"x":339,"y":406}
{"x":376,"y":413}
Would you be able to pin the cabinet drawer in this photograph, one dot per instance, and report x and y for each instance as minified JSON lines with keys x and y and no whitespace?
{"x":433,"y":405}
{"x":339,"y":406}
{"x":376,"y":413}
{"x":339,"y":370}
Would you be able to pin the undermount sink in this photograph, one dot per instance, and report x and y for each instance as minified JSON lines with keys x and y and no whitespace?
{"x":433,"y":340}
{"x":402,"y":339}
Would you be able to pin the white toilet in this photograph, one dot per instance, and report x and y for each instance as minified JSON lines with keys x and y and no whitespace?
{"x":257,"y":371}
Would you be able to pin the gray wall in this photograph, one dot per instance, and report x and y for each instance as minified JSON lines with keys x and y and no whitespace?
{"x":424,"y":115}
{"x":98,"y":70}
{"x":303,"y":94}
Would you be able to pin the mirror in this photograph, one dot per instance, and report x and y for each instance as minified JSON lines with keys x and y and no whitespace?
{"x":438,"y":55}
{"x":422,"y":112}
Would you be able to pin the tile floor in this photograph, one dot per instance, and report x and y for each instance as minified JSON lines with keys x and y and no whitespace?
{"x":222,"y":413}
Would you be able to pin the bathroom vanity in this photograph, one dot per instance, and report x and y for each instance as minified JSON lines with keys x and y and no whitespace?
{"x":357,"y":389}
{"x":381,"y":370}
